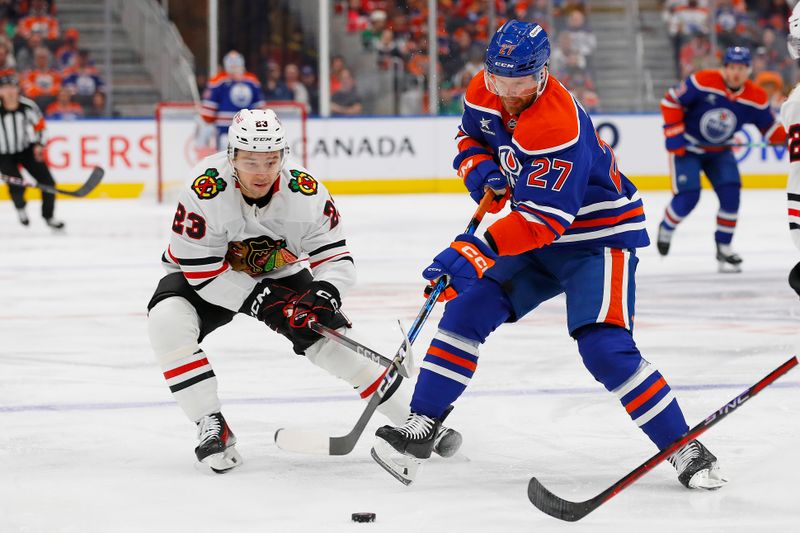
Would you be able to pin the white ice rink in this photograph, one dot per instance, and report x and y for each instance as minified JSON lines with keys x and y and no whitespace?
{"x":91,"y":440}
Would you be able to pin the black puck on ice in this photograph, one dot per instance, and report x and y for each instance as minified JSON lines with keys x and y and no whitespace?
{"x":363,"y":517}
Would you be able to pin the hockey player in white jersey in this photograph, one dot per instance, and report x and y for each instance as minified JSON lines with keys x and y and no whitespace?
{"x":790,"y":116}
{"x":255,"y":233}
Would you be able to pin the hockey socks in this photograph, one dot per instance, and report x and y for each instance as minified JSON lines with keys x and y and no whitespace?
{"x":728,"y":212}
{"x":678,"y":209}
{"x":612,"y":357}
{"x":445,"y":372}
{"x":193,"y":384}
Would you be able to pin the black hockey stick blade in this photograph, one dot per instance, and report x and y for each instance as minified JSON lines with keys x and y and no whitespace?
{"x":562,"y":509}
{"x":94,"y":180}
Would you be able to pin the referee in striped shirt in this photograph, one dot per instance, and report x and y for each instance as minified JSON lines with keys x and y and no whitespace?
{"x":22,"y":144}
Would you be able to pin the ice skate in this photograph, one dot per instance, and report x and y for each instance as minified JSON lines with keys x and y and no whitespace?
{"x":23,"y":217}
{"x":664,"y":239}
{"x":728,"y":260}
{"x":54,"y":224}
{"x":447,"y":442}
{"x":697,"y":467}
{"x":402,"y":450}
{"x":217,"y":444}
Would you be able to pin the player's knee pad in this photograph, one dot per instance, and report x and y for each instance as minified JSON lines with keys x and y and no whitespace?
{"x":339,"y":360}
{"x":684,"y":202}
{"x":478,"y":311}
{"x":174,"y":327}
{"x":609,"y":353}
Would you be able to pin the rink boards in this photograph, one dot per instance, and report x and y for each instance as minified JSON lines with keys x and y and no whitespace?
{"x":362,"y":155}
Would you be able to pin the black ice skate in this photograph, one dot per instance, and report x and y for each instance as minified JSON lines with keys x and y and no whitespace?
{"x":402,"y":450}
{"x":54,"y":223}
{"x":217,"y":441}
{"x":663,"y":240}
{"x":697,"y":467}
{"x":728,"y":260}
{"x":23,"y":216}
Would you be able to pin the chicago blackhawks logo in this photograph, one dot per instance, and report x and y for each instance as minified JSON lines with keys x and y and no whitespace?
{"x":303,"y":183}
{"x":259,"y":255}
{"x":209,"y":184}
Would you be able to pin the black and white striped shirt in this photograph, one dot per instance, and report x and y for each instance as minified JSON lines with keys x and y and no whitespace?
{"x":20,"y":128}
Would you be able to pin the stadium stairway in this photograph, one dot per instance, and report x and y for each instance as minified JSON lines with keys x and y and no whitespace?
{"x":134,"y":93}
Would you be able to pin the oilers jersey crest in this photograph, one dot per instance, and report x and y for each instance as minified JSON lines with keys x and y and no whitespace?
{"x":567,"y":188}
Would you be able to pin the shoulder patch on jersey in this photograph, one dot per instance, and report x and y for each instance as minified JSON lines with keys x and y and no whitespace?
{"x":208,"y":184}
{"x":552,"y":123}
{"x":709,"y":80}
{"x":303,"y":183}
{"x":259,"y":255}
{"x":753,"y":94}
{"x":478,"y":96}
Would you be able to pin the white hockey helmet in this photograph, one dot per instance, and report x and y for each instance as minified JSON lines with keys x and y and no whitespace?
{"x":257,"y":130}
{"x":793,"y":39}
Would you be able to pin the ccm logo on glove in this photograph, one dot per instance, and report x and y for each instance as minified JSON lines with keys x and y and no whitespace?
{"x":480,"y":262}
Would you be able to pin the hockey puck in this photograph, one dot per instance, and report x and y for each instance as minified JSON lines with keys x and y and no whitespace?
{"x":363,"y":517}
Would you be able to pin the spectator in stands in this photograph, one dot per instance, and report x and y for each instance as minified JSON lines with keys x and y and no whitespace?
{"x":731,"y":25}
{"x":685,"y":18}
{"x":372,"y":34}
{"x":23,"y":8}
{"x":582,"y":39}
{"x":67,"y":53}
{"x":346,"y":101}
{"x":274,"y":87}
{"x":39,"y":20}
{"x":772,"y":83}
{"x":97,"y":109}
{"x":776,"y":53}
{"x":7,"y":11}
{"x":83,"y":79}
{"x":337,"y":65}
{"x":42,"y":83}
{"x":696,"y":55}
{"x":25,"y":52}
{"x":291,"y":74}
{"x":387,"y":49}
{"x":64,"y":108}
{"x":6,"y":57}
{"x":309,"y":80}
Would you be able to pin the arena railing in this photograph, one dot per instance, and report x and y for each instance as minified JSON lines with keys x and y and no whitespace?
{"x":161,"y":47}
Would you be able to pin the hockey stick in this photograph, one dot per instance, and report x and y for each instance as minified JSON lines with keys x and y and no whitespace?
{"x":344,"y":340}
{"x":93,"y":181}
{"x":557,"y":507}
{"x":307,"y":441}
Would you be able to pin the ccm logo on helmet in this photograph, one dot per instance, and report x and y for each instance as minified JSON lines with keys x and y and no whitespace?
{"x":257,"y":139}
{"x":501,"y":64}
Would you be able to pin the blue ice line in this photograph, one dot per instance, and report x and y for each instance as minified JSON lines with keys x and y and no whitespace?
{"x":343,"y":398}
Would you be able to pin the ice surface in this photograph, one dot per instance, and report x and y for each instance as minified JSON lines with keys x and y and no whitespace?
{"x":91,"y":441}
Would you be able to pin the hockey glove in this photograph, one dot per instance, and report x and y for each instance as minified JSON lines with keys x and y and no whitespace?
{"x":479,"y":176}
{"x":271,"y":303}
{"x":464,"y":262}
{"x":319,"y":301}
{"x":675,"y":140}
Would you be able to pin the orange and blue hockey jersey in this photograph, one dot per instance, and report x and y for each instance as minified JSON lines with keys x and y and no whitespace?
{"x":224,"y":96}
{"x":707,"y":112}
{"x":567,"y":189}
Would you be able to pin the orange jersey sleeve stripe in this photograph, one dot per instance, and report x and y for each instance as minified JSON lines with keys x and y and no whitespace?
{"x":514,"y":235}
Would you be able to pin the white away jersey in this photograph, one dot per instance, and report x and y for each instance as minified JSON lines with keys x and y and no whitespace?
{"x":224,"y":245}
{"x":790,"y":116}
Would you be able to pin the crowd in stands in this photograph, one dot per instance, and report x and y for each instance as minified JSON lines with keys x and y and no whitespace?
{"x":52,"y":69}
{"x":701,"y":30}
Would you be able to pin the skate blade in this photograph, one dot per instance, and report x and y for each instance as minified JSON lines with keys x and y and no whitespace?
{"x":727,"y":268}
{"x":402,"y":467}
{"x":223,"y":462}
{"x":708,"y":479}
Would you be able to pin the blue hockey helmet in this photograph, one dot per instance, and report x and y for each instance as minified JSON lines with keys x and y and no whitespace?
{"x":737,"y":54}
{"x":517,"y":50}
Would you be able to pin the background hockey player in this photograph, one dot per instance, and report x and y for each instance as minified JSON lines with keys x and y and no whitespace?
{"x":229,"y":91}
{"x":790,"y":116}
{"x":255,"y":234}
{"x":701,"y":116}
{"x":22,"y":144}
{"x":574,"y":225}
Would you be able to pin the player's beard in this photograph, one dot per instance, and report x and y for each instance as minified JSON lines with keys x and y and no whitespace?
{"x":517,"y":104}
